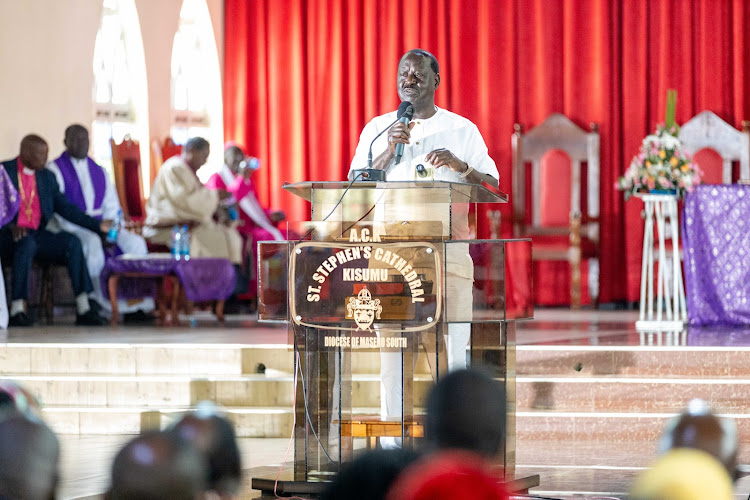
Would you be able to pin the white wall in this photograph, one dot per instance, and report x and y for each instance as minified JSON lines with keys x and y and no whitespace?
{"x":46,"y":75}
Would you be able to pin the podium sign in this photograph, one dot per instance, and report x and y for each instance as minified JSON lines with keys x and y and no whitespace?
{"x":366,"y":287}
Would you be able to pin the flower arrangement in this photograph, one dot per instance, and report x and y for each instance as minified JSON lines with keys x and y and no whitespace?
{"x":662,"y":162}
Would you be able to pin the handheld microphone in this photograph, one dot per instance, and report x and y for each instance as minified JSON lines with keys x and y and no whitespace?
{"x":405,"y":114}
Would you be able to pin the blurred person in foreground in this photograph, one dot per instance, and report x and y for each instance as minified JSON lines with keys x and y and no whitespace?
{"x":29,"y":458}
{"x":158,"y":466}
{"x":449,"y":475}
{"x":698,"y":428}
{"x":464,"y":433}
{"x":370,"y":476}
{"x":213,"y":435}
{"x":14,"y":398}
{"x":684,"y":474}
{"x":466,"y":410}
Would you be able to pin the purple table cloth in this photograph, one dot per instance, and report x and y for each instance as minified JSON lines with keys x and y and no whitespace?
{"x":716,"y":245}
{"x":9,"y":199}
{"x":202,"y":278}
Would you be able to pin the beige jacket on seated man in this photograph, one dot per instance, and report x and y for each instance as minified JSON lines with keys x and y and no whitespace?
{"x":178,"y":197}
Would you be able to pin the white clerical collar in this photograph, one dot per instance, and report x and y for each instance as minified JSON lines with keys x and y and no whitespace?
{"x":28,"y":171}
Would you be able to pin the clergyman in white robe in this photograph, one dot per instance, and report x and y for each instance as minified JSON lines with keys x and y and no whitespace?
{"x":93,"y":251}
{"x":179,"y":197}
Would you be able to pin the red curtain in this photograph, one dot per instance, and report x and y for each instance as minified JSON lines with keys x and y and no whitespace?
{"x":304,"y":76}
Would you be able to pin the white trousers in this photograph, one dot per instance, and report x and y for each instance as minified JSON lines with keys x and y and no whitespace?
{"x":459,"y":292}
{"x":3,"y":301}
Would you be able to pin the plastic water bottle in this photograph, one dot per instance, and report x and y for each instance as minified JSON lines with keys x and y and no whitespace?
{"x":176,"y":246}
{"x":185,"y":242}
{"x":114,"y":229}
{"x":231,"y":206}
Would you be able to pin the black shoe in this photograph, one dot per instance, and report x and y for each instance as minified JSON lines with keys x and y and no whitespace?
{"x":90,"y":318}
{"x":139,"y":318}
{"x":95,"y":306}
{"x":20,"y":319}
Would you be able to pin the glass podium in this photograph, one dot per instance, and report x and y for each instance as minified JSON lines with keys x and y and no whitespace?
{"x":385,"y":292}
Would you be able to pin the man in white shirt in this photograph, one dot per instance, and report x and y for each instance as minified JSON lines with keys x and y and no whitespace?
{"x":446,"y":147}
{"x":87,"y":185}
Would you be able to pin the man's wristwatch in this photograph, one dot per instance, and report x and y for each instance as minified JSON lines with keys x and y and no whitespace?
{"x":465,"y":173}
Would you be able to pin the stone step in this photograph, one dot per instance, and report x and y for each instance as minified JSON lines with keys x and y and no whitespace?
{"x":581,"y":393}
{"x":235,"y":359}
{"x":608,"y":427}
{"x":629,"y":394}
{"x":168,"y":391}
{"x":591,"y":427}
{"x":641,"y":361}
{"x":94,"y":420}
{"x":167,"y":359}
{"x":127,"y":359}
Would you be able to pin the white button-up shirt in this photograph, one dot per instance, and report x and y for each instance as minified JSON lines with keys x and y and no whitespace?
{"x":442,"y":130}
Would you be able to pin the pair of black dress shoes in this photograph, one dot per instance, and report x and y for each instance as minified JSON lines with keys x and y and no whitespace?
{"x":89,"y":318}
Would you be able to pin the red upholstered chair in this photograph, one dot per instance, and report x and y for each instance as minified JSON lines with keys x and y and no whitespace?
{"x":162,"y":152}
{"x":556,"y":197}
{"x":717,"y":147}
{"x":126,"y":163}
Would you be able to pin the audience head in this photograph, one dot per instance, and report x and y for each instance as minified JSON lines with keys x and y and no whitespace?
{"x":684,"y":474}
{"x":214,"y":437}
{"x":466,"y":410}
{"x":29,"y":456}
{"x":15,"y":398}
{"x":370,"y":476}
{"x":196,"y":152}
{"x":155,"y":466}
{"x":233,"y":157}
{"x":34,"y":152}
{"x":77,"y":141}
{"x":697,"y":427}
{"x":448,"y":475}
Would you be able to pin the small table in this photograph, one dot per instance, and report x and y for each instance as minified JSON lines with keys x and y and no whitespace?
{"x":717,"y":254}
{"x":668,"y":312}
{"x":201,"y":279}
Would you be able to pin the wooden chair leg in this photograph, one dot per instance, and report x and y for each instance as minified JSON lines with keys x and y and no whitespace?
{"x":574,"y":257}
{"x":161,"y":300}
{"x":46,"y":299}
{"x":220,"y":311}
{"x":112,"y":286}
{"x":176,"y":290}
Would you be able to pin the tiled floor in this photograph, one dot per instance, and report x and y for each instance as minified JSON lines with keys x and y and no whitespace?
{"x":568,"y":469}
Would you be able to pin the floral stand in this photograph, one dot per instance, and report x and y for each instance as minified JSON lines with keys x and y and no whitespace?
{"x":666,"y":311}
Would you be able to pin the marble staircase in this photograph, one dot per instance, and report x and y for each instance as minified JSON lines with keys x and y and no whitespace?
{"x":564,"y":392}
{"x":625,"y":392}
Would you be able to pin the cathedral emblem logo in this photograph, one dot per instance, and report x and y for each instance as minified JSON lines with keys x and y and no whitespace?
{"x":364,"y":309}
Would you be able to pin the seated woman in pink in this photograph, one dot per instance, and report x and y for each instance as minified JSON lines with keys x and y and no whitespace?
{"x":257,"y":223}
